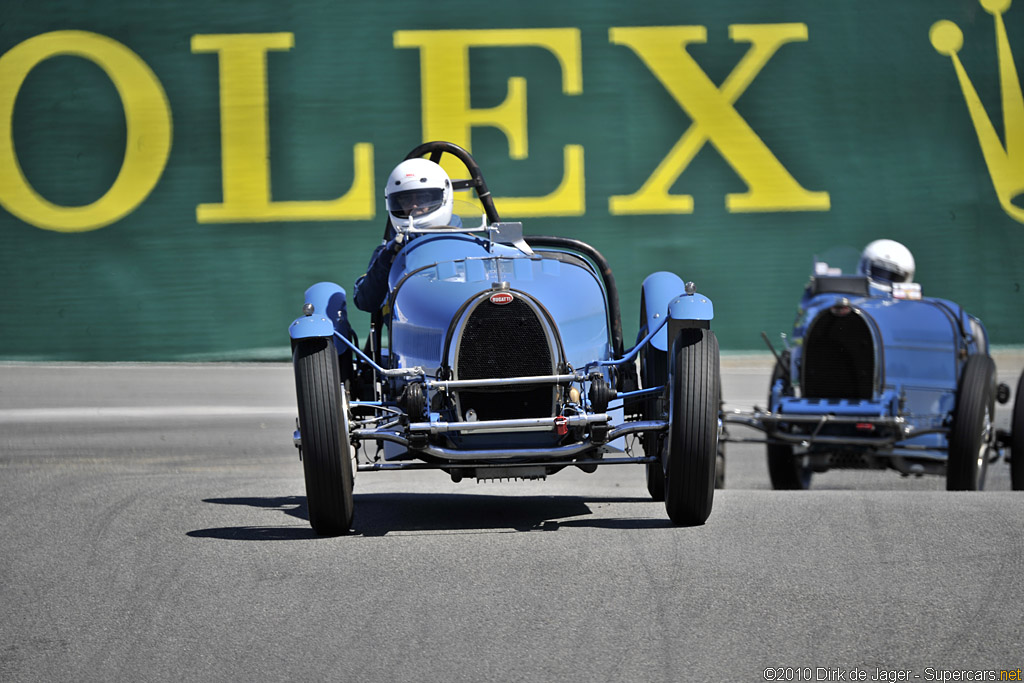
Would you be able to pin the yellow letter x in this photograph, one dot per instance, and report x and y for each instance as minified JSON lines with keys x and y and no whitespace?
{"x":715,"y":120}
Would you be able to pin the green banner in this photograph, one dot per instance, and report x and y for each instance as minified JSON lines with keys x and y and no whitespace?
{"x":173,"y":175}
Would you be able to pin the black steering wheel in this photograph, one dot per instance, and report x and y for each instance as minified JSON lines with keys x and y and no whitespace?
{"x":476,"y":179}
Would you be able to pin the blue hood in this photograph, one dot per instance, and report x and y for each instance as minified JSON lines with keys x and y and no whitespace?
{"x":435,"y":275}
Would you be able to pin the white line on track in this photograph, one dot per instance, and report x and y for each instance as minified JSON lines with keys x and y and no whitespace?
{"x":19,"y":415}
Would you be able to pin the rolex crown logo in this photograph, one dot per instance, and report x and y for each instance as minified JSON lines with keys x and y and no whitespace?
{"x":1005,"y":165}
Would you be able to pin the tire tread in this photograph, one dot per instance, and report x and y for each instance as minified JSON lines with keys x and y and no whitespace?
{"x":693,"y":427}
{"x":326,"y":452}
{"x":976,"y":392}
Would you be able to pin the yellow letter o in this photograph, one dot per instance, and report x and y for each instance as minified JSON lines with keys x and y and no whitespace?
{"x":147,"y":117}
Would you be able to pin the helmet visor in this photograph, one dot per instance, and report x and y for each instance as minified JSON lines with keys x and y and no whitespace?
{"x":418,"y":202}
{"x":882,"y":272}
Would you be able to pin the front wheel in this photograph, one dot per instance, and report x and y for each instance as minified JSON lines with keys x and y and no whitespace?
{"x":1017,"y":438}
{"x":786,"y":470}
{"x":323,"y":425}
{"x":971,"y":435}
{"x":693,"y":427}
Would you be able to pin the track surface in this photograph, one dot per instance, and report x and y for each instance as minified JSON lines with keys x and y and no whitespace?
{"x":155,"y":529}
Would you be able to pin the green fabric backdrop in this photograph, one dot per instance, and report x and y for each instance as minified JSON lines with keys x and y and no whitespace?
{"x":865,"y":117}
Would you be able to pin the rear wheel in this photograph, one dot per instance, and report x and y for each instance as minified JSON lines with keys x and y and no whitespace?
{"x":1017,"y":438}
{"x":720,"y":451}
{"x":689,"y":456}
{"x":653,"y":370}
{"x":323,"y":425}
{"x":653,"y":373}
{"x":971,"y":436}
{"x":786,"y":470}
{"x":720,"y":459}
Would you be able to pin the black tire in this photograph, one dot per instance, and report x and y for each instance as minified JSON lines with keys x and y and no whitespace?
{"x":720,"y":458}
{"x":786,"y":471}
{"x":653,"y":372}
{"x":1017,"y":438}
{"x":323,"y":424}
{"x":346,"y":366}
{"x":689,"y":455}
{"x":971,"y":434}
{"x":720,"y":451}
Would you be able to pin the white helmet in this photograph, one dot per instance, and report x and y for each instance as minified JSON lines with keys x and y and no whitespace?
{"x":887,"y":261}
{"x":419,"y":190}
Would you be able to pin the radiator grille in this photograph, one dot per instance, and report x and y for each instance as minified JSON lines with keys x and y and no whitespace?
{"x":504,"y":341}
{"x":839,"y":358}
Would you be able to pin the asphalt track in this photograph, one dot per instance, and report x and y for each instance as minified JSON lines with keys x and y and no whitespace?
{"x":154,"y":528}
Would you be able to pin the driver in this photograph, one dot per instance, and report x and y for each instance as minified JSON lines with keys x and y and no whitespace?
{"x":886,"y":262}
{"x":418,"y":194}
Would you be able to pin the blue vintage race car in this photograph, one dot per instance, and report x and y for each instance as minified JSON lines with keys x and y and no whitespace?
{"x":879,"y":378}
{"x":504,"y":359}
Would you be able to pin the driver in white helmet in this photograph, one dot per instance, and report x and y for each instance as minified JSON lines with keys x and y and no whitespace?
{"x":418,"y":195}
{"x":886,"y":262}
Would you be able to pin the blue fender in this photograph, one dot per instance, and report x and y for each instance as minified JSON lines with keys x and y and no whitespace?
{"x":976,"y":340}
{"x":658,"y":290}
{"x":694,"y":306}
{"x":665,"y":294}
{"x":329,"y":314}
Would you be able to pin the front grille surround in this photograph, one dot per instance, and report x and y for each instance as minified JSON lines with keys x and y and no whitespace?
{"x":504,"y":341}
{"x":839,"y":359}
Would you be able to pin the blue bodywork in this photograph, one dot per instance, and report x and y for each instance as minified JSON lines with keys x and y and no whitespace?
{"x":435,"y":281}
{"x":870,"y":378}
{"x":498,"y":354}
{"x":328,"y":316}
{"x":921,"y":346}
{"x":433,"y":277}
{"x":665,"y":294}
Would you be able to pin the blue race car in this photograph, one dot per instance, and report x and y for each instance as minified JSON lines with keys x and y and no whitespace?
{"x":504,"y":359}
{"x":879,"y":378}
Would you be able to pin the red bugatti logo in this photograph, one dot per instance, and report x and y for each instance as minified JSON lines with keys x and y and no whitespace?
{"x":501,"y":298}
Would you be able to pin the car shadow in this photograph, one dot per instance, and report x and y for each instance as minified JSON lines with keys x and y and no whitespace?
{"x":379,"y":514}
{"x":292,"y":506}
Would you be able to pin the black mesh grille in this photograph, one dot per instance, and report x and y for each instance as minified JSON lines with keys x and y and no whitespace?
{"x":839,"y":358}
{"x":503,"y":341}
